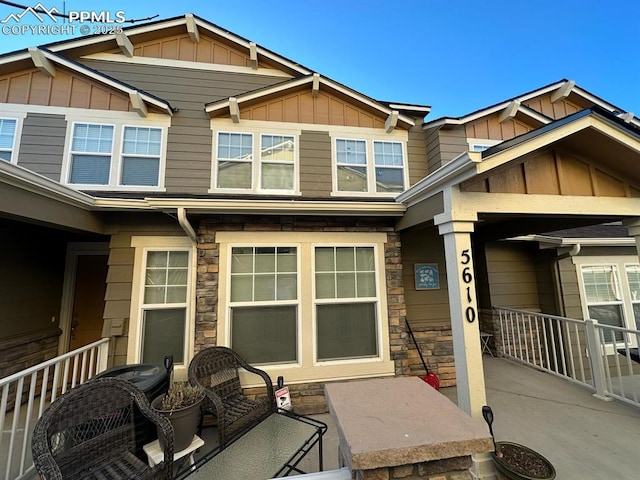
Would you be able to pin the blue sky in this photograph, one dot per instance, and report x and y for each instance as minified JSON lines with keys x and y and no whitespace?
{"x":456,"y":56}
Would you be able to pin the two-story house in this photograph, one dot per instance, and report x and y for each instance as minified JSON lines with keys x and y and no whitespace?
{"x":176,"y":186}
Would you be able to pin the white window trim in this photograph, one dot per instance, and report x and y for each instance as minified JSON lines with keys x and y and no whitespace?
{"x":307,"y":369}
{"x":119,"y":122}
{"x":481,"y":142}
{"x":368,"y":138}
{"x":142,"y":245}
{"x":256,"y":132}
{"x":19,"y":118}
{"x":619,"y":262}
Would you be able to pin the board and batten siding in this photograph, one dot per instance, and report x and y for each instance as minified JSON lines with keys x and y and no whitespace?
{"x":315,"y":164}
{"x":189,"y":142}
{"x":42,"y":144}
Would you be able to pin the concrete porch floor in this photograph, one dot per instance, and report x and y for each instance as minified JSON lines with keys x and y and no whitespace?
{"x":584,"y":438}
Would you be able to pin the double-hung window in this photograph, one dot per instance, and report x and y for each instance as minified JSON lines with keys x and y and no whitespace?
{"x":264,"y":303}
{"x":604,"y":296}
{"x":369,"y":166}
{"x":164,"y":307}
{"x":8,"y":128}
{"x":633,"y":279}
{"x":345,"y":303}
{"x":255,"y":162}
{"x":111,"y":155}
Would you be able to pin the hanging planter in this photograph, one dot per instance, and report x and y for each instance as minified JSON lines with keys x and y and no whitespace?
{"x":517,"y":462}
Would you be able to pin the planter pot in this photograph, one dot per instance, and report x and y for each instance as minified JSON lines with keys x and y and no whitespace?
{"x":185,"y":422}
{"x":521,"y":463}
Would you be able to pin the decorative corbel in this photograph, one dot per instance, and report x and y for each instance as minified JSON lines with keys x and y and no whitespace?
{"x":509,"y":111}
{"x":627,"y":116}
{"x":315,"y":86}
{"x":41,"y":62}
{"x":234,"y":110}
{"x":137,"y":103}
{"x":563,"y":91}
{"x":253,"y":55}
{"x":192,"y":28}
{"x":392,"y":121}
{"x":124,"y":44}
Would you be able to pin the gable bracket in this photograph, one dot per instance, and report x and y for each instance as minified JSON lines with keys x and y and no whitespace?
{"x":234,"y":110}
{"x":192,"y":28}
{"x":392,"y":121}
{"x":510,"y":111}
{"x":137,"y":103}
{"x":563,"y":91}
{"x":627,"y":116}
{"x":125,"y":44}
{"x":315,"y":86}
{"x":41,"y":62}
{"x":253,"y":55}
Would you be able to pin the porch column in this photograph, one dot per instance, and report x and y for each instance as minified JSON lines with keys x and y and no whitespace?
{"x":456,"y":228}
{"x":633,"y":227}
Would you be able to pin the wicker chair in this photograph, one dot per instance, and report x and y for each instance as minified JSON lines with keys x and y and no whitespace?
{"x":89,"y":432}
{"x":216,"y":369}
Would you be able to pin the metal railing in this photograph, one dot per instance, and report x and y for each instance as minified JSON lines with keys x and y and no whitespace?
{"x":26,"y":394}
{"x":599,"y":357}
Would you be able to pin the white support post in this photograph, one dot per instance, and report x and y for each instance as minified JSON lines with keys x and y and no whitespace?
{"x":595,"y":360}
{"x":103,"y":357}
{"x":456,"y":229}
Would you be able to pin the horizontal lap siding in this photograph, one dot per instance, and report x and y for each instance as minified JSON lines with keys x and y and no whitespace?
{"x":42,"y":144}
{"x":189,"y":144}
{"x":416,"y":155}
{"x":453,"y":142}
{"x":315,"y":164}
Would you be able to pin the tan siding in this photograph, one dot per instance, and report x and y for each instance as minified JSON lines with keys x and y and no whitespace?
{"x":42,"y":144}
{"x":315,"y":164}
{"x":453,"y":142}
{"x":189,"y":143}
{"x":559,"y":109}
{"x":302,"y":107}
{"x":432,"y":145}
{"x":424,"y":306}
{"x":491,"y":128}
{"x":512,"y":275}
{"x":416,"y":154}
{"x":66,"y":89}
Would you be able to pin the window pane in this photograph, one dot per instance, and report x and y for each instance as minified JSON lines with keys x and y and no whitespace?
{"x":608,"y":315}
{"x":164,"y":284}
{"x":388,"y":153}
{"x":389,"y":180}
{"x":157,"y":259}
{"x":7,"y":132}
{"x":156,"y":277}
{"x":353,"y":275}
{"x":154,"y":295}
{"x":92,"y":138}
{"x":178,"y":259}
{"x":345,"y":261}
{"x":636,"y":314}
{"x":163,"y":334}
{"x":325,"y":285}
{"x":6,"y":156}
{"x":264,"y":335}
{"x":235,"y":146}
{"x":633,"y":276}
{"x":140,"y":171}
{"x":265,"y":260}
{"x":277,"y":177}
{"x":255,"y":274}
{"x":277,"y":147}
{"x":287,"y":259}
{"x":600,"y":283}
{"x":265,"y":288}
{"x":325,"y":259}
{"x":346,"y":285}
{"x":366,"y":285}
{"x":142,"y":141}
{"x":241,"y":260}
{"x":90,"y":169}
{"x":346,"y":331}
{"x":351,"y":152}
{"x":176,"y":294}
{"x":241,"y":288}
{"x":287,"y":288}
{"x":352,"y":179}
{"x":234,"y":175}
{"x":364,"y":259}
{"x":177,"y":276}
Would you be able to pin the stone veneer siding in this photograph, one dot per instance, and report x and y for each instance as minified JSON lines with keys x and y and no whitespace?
{"x":306,"y":398}
{"x":436,"y":345}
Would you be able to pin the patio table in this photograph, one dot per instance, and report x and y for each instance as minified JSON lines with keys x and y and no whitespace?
{"x":273,"y":448}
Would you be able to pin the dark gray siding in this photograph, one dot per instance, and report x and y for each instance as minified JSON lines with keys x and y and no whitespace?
{"x":42,"y":144}
{"x":190,"y":138}
{"x":315,"y":164}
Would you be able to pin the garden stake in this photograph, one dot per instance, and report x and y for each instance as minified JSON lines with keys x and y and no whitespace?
{"x":429,"y":378}
{"x":487,"y":413}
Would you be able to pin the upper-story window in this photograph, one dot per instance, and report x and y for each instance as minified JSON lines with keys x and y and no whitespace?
{"x":369,"y":166}
{"x":8,"y":128}
{"x":255,"y":162}
{"x":111,"y":155}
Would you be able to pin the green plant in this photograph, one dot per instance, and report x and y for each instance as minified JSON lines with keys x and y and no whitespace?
{"x":181,"y":395}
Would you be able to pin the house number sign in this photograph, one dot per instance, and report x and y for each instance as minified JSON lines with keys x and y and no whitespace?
{"x":467,"y":278}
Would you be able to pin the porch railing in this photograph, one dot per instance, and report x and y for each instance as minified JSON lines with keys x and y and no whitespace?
{"x":599,"y":357}
{"x":26,"y":394}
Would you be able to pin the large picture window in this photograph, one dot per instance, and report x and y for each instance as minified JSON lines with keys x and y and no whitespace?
{"x":255,"y":162}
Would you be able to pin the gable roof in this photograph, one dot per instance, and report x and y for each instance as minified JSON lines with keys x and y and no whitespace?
{"x":565,"y":86}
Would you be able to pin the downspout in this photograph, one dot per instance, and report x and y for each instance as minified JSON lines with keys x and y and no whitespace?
{"x":186,"y":226}
{"x":575,"y":250}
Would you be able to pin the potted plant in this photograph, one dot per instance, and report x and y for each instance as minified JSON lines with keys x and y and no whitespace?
{"x":181,"y":405}
{"x":517,"y":462}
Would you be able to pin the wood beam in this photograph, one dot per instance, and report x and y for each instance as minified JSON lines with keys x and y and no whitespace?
{"x":627,"y":116}
{"x":315,"y":88}
{"x":510,"y":111}
{"x":563,"y":91}
{"x":234,"y":110}
{"x":192,"y":28}
{"x":125,"y":44}
{"x":253,"y":55}
{"x":41,"y":62}
{"x":392,"y":121}
{"x":137,"y":103}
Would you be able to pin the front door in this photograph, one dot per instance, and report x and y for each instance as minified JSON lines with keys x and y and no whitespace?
{"x":88,"y":300}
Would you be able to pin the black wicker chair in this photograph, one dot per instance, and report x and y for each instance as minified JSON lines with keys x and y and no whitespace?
{"x":89,"y":432}
{"x":216,"y":369}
